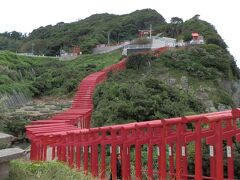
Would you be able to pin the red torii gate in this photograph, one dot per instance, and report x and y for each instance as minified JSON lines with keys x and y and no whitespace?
{"x":89,"y":149}
{"x":90,"y":145}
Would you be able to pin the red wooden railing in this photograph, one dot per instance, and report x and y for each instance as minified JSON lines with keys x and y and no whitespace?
{"x":94,"y":150}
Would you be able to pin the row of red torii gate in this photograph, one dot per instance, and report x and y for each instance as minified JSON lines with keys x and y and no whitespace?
{"x":158,"y":149}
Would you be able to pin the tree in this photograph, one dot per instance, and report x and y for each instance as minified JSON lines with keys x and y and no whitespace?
{"x":16,"y":35}
{"x":176,"y":26}
{"x":176,"y":20}
{"x":217,"y":41}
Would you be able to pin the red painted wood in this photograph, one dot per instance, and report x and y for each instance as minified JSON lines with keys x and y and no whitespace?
{"x":69,"y":131}
{"x":103,"y":162}
{"x":150,"y":162}
{"x":198,"y":151}
{"x":138,"y":161}
{"x":163,"y":169}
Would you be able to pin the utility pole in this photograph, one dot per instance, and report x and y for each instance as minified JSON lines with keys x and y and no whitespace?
{"x":108,"y":37}
{"x":150,"y":31}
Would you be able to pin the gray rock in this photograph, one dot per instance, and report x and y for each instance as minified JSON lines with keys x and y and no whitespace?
{"x":223,"y":107}
{"x":6,"y":138}
{"x":209,"y":106}
{"x":5,"y":156}
{"x":10,"y":153}
{"x":202,"y":95}
{"x":172,"y":82}
{"x":184,"y":83}
{"x":236,"y":92}
{"x":226,"y":85}
{"x":204,"y":98}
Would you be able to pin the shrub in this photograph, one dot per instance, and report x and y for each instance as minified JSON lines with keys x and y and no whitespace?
{"x":206,"y":62}
{"x":138,"y":61}
{"x":140,"y":100}
{"x":23,"y":170}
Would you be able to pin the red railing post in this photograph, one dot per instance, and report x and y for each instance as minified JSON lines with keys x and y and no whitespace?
{"x":212,"y":160}
{"x":150,"y":161}
{"x":39,"y":154}
{"x":71,"y":155}
{"x":58,"y":153}
{"x":33,"y":151}
{"x":230,"y":148}
{"x":94,"y":153}
{"x":78,"y":157}
{"x":138,"y":156}
{"x":219,"y":151}
{"x":103,"y":162}
{"x":44,"y":157}
{"x":171,"y":159}
{"x":178,"y":153}
{"x":212,"y":154}
{"x":230,"y":158}
{"x":184,"y":152}
{"x":198,"y":151}
{"x":53,"y":152}
{"x":125,"y":156}
{"x":63,"y":153}
{"x":128,"y":163}
{"x":124,"y":163}
{"x":85,"y":159}
{"x":162,"y":166}
{"x":113,"y":161}
{"x":138,"y":161}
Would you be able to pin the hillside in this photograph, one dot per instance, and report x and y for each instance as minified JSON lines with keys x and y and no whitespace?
{"x":50,"y":83}
{"x":38,"y":77}
{"x":87,"y":32}
{"x":42,"y":76}
{"x":180,"y":82}
{"x":91,"y":31}
{"x":183,"y":30}
{"x":94,"y":30}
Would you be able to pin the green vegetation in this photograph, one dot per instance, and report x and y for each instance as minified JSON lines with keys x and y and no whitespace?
{"x":38,"y":76}
{"x":87,"y":33}
{"x":143,"y":91}
{"x":175,"y":84}
{"x":23,"y":170}
{"x":94,"y":30}
{"x":11,"y":41}
{"x":41,"y":76}
{"x":125,"y":98}
{"x":3,"y":114}
{"x":206,"y":62}
{"x":183,"y":30}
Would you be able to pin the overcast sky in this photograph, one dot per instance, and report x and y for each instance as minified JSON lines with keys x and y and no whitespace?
{"x":26,"y":15}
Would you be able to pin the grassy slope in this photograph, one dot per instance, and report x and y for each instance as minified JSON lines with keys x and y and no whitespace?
{"x":39,"y":76}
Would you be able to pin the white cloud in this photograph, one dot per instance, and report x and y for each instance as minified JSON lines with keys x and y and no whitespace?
{"x":26,"y":15}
